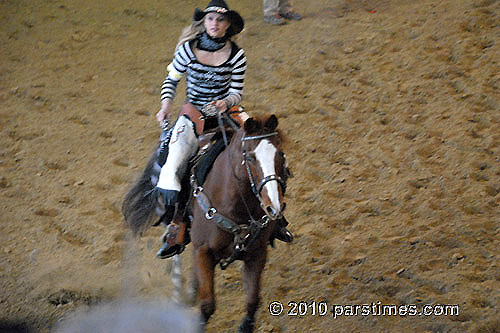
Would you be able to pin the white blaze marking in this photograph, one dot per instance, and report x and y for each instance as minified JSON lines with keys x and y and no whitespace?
{"x":265,"y":153}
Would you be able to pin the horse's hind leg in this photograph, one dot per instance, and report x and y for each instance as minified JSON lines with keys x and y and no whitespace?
{"x":193,"y":289}
{"x":205,"y":264}
{"x":252,"y":271}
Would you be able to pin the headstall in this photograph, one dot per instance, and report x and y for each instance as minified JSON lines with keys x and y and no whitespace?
{"x":257,"y":189}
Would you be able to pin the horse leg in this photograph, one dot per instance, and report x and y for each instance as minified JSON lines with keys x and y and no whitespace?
{"x":252,"y":271}
{"x":205,"y":266}
{"x":193,"y":290}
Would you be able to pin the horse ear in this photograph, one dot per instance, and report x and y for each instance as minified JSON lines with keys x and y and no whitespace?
{"x":271,"y":123}
{"x":250,"y":125}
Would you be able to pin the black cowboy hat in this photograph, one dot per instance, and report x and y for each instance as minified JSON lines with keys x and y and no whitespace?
{"x":220,"y":6}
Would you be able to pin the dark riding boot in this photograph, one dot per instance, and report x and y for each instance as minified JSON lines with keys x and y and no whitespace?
{"x":281,"y":232}
{"x":170,"y":247}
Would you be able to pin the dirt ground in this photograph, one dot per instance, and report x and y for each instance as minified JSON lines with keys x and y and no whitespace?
{"x":391,"y":110}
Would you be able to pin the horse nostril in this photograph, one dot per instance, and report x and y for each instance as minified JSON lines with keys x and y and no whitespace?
{"x":271,"y":211}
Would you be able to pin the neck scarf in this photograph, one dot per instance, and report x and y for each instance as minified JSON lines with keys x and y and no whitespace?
{"x":211,"y":44}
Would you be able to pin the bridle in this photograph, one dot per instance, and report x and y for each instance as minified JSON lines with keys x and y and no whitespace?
{"x":257,"y":188}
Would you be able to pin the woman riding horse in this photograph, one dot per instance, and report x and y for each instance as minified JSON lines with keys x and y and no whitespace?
{"x":215,"y":72}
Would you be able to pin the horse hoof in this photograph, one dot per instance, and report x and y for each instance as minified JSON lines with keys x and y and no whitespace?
{"x":203,"y":325}
{"x":247,"y":325}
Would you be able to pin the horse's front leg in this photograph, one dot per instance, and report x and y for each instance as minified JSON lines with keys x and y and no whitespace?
{"x":252,"y":271}
{"x":205,"y":264}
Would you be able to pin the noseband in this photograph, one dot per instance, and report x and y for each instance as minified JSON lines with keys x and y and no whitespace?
{"x":257,"y":189}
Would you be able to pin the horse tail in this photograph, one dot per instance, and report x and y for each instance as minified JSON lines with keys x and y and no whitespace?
{"x":140,"y":202}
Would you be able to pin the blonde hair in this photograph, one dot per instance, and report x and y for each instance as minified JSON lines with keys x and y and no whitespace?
{"x":190,"y":32}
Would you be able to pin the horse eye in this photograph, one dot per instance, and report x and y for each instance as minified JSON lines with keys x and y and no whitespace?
{"x":250,"y":158}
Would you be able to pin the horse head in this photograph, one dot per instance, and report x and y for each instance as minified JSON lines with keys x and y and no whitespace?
{"x":265,"y":164}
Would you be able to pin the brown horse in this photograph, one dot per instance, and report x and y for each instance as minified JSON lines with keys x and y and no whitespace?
{"x":233,"y":214}
{"x":241,"y":199}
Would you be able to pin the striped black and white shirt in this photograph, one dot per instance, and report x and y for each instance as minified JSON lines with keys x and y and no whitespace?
{"x":205,"y":83}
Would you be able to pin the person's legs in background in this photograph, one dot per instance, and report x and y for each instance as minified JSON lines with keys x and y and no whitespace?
{"x":276,"y":11}
{"x":271,"y":12}
{"x":285,"y":11}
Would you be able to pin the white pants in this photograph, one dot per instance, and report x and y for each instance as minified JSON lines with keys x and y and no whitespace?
{"x":272,"y":7}
{"x":183,"y":145}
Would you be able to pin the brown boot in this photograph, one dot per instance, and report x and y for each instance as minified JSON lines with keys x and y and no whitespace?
{"x":175,"y":239}
{"x":170,"y":245}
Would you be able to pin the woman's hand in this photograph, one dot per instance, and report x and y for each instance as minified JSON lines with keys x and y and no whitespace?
{"x":165,"y":110}
{"x":221,"y":105}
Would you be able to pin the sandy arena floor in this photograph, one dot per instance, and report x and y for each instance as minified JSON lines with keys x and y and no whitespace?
{"x":391,"y":109}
